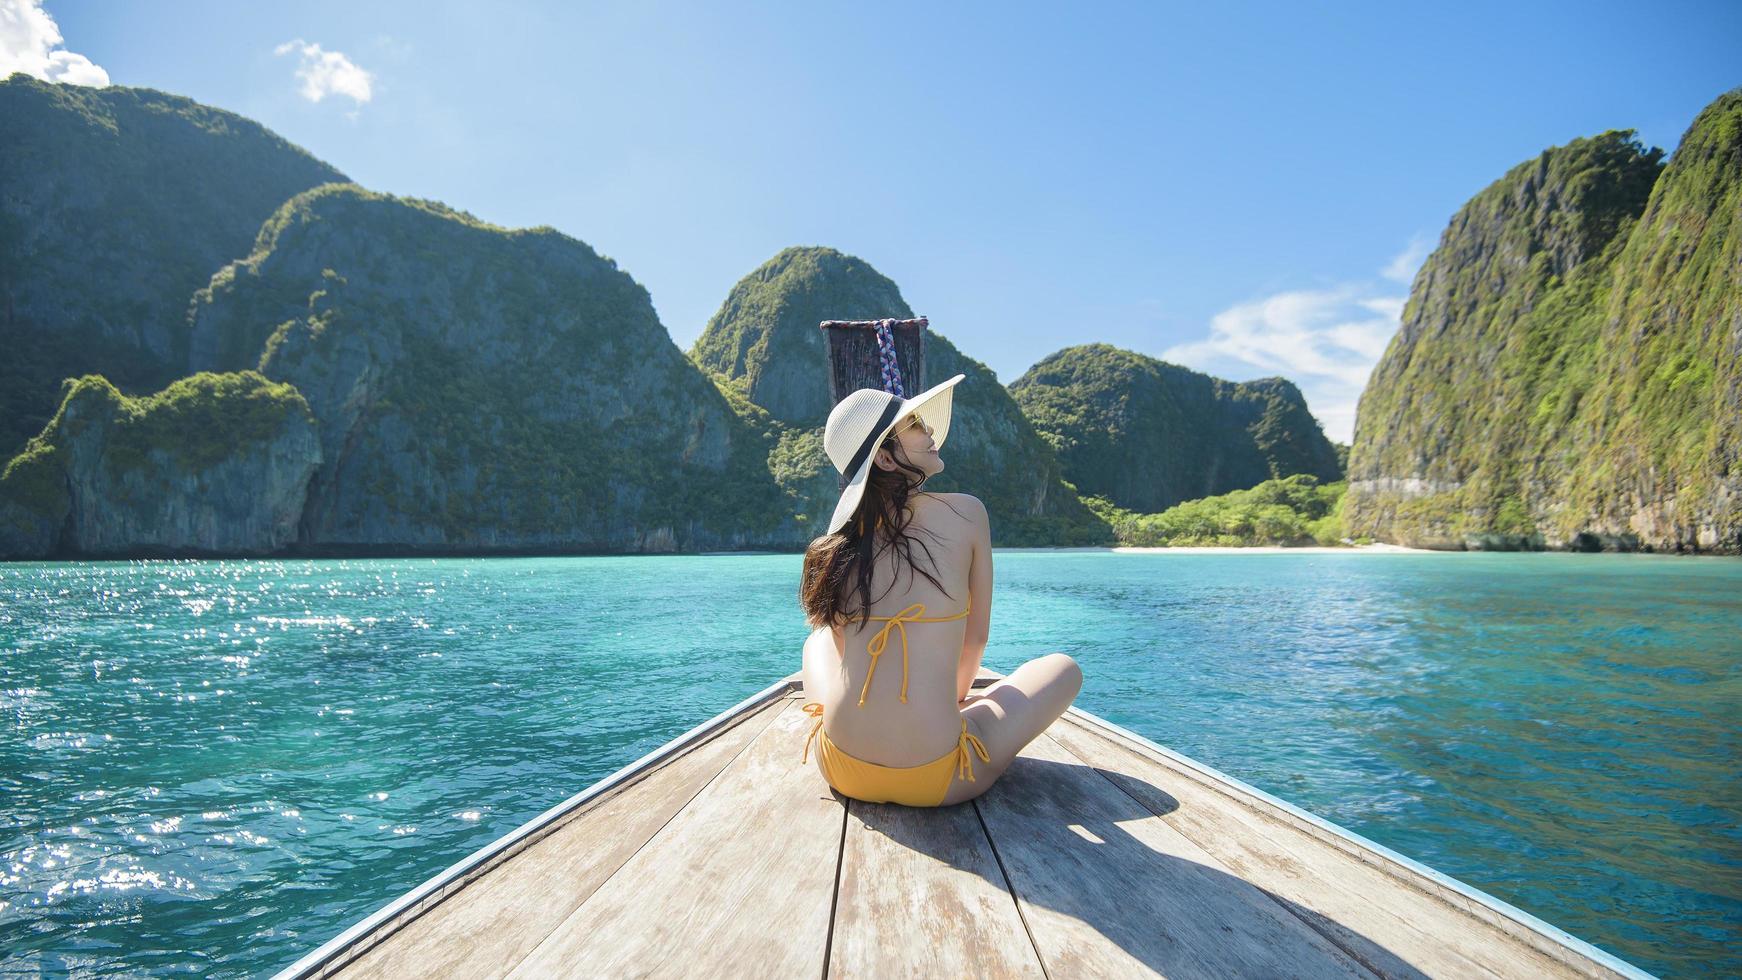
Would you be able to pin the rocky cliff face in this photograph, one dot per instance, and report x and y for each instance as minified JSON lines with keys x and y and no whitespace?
{"x":214,"y":464}
{"x":483,"y":389}
{"x":764,"y":343}
{"x":34,"y":503}
{"x":118,"y":203}
{"x":1147,"y":435}
{"x":1566,"y":375}
{"x":765,"y":335}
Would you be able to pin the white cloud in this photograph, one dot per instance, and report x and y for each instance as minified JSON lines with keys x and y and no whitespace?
{"x":325,"y":73}
{"x":30,"y":42}
{"x":1402,"y":268}
{"x":1326,"y":341}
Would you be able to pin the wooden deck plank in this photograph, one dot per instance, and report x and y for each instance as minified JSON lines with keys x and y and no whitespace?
{"x":921,"y":894}
{"x":739,"y":883}
{"x":1108,"y":889}
{"x":1392,"y":927}
{"x":488,"y":926}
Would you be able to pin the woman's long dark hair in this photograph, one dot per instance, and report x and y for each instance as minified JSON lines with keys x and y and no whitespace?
{"x":838,"y":565}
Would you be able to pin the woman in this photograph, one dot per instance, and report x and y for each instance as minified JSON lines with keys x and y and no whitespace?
{"x":904,"y":574}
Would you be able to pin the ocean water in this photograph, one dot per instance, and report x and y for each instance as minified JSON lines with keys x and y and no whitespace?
{"x":214,"y":766}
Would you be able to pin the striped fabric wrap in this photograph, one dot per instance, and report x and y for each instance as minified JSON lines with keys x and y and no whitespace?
{"x":886,"y":356}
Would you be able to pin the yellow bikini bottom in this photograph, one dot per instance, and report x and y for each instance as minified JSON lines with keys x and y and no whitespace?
{"x":922,"y":785}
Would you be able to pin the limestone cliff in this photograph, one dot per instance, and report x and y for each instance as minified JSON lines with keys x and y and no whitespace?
{"x":1147,"y":434}
{"x":765,"y":335}
{"x":765,"y":343}
{"x":213,"y":464}
{"x":1567,"y":371}
{"x":480,"y":388}
{"x":118,"y":203}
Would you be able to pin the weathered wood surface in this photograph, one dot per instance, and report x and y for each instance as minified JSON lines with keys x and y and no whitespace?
{"x":1109,"y":890}
{"x":496,"y":920}
{"x":1093,"y":855}
{"x":1395,"y":927}
{"x":921,"y":895}
{"x":740,"y":883}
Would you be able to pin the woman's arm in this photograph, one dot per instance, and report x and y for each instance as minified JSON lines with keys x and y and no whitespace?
{"x":980,"y":588}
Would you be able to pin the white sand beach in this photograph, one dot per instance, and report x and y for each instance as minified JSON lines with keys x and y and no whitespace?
{"x":1364,"y":549}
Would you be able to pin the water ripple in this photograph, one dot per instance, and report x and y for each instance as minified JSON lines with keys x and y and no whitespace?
{"x":215,"y":766}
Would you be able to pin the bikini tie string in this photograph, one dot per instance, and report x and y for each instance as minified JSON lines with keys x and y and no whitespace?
{"x":818,"y":715}
{"x":964,"y":761}
{"x":881,"y":639}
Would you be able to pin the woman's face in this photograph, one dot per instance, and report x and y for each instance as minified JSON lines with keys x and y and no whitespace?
{"x":913,"y":440}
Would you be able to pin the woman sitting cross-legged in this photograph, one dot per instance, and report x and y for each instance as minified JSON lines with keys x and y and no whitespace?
{"x":904,"y":574}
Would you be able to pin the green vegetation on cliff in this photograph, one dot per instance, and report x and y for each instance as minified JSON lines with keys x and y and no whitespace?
{"x":119,"y":203}
{"x":34,"y":502}
{"x":35,"y":480}
{"x":1296,"y":510}
{"x":765,"y":343}
{"x":1146,"y":434}
{"x":484,"y":388}
{"x":214,"y":461}
{"x":1567,"y":369}
{"x":195,"y":423}
{"x":1663,"y":418}
{"x":765,"y":336}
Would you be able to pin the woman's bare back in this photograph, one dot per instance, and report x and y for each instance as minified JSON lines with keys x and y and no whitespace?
{"x":952,"y":528}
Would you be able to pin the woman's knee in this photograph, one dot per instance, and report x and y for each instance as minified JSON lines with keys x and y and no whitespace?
{"x":1063,"y":667}
{"x":1067,"y":675}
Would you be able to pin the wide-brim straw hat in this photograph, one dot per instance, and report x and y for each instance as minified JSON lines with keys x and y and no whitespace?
{"x":859,"y":424}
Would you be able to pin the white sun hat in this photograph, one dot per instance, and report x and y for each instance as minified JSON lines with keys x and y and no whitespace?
{"x":858,"y":425}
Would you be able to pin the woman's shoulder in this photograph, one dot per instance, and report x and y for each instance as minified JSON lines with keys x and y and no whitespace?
{"x":965,"y":505}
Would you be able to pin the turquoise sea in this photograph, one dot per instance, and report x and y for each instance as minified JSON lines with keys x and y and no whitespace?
{"x":215,"y":766}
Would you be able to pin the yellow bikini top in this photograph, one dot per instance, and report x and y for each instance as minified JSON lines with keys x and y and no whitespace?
{"x":912,"y":614}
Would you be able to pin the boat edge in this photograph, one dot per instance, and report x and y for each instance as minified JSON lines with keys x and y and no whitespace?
{"x":342,"y":948}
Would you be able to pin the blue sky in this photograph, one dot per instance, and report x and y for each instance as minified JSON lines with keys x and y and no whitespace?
{"x":1245,"y":189}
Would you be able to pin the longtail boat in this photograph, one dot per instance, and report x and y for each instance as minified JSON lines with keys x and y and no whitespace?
{"x":1098,"y":853}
